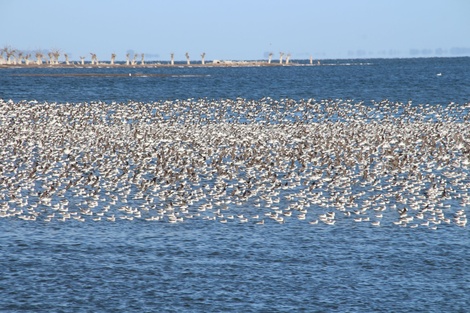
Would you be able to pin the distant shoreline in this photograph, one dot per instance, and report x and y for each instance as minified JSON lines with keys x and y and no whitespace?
{"x":155,"y":65}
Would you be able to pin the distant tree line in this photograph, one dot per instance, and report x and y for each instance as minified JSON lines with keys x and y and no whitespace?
{"x":11,"y":56}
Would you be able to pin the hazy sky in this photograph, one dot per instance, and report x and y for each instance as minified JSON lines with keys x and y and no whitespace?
{"x":239,"y":29}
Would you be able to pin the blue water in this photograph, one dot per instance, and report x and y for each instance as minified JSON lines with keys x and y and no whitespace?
{"x":212,"y":267}
{"x":375,"y":79}
{"x":203,"y":266}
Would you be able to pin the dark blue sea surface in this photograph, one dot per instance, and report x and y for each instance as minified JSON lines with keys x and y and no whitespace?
{"x":433,"y":80}
{"x":207,"y":266}
{"x":211,"y":267}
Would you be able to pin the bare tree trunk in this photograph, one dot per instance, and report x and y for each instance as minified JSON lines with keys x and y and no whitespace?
{"x":66,"y":59}
{"x":94,"y":59}
{"x":270,"y":56}
{"x":203,"y":55}
{"x":82,"y":60}
{"x":288,"y":58}
{"x":56,"y":55}
{"x":280,"y":57}
{"x":39,"y":58}
{"x":187,"y":59}
{"x":142,"y":62}
{"x":134,"y":59}
{"x":2,"y":59}
{"x":127,"y":59}
{"x":10,"y":55}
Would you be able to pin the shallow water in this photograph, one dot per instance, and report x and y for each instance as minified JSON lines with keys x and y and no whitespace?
{"x":206,"y":266}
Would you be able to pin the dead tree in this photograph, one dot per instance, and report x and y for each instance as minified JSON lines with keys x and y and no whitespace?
{"x":39,"y":57}
{"x":288,"y":58}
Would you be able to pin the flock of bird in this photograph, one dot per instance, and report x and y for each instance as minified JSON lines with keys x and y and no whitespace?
{"x":329,"y":162}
